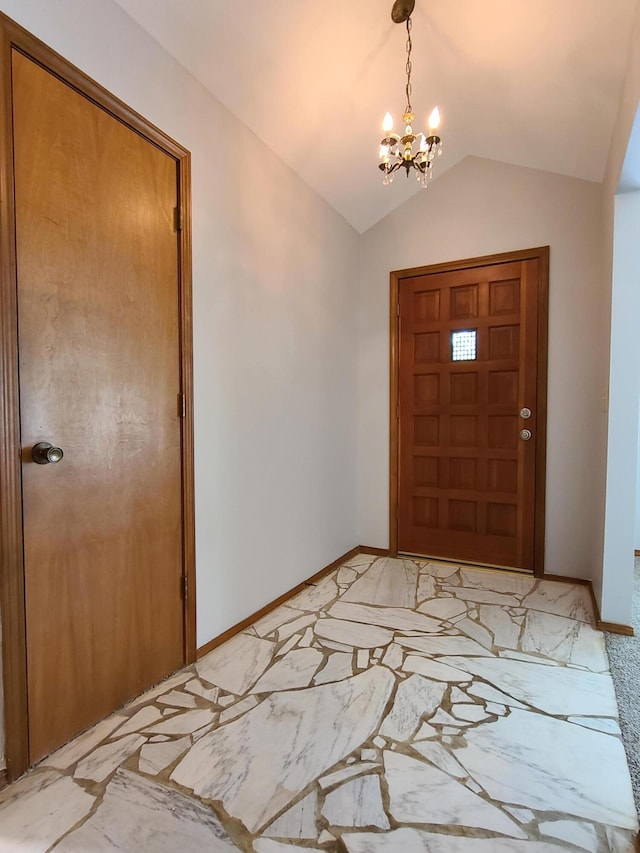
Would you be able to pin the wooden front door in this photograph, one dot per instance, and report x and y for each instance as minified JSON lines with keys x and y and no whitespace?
{"x":470,"y":411}
{"x":99,"y":376}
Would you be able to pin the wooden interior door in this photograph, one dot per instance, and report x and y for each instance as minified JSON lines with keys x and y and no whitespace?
{"x":467,"y":372}
{"x":99,"y":371}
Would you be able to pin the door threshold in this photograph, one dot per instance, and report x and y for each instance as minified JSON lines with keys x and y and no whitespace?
{"x":468,"y":565}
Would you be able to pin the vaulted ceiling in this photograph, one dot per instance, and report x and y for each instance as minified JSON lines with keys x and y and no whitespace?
{"x":530,"y":82}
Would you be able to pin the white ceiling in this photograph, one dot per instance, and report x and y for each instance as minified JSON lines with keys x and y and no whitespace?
{"x":529,"y":82}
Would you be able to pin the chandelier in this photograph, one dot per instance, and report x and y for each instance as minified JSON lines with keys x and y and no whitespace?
{"x":411,"y":150}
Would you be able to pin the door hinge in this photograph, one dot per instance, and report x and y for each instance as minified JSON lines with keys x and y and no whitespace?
{"x":185,"y":587}
{"x":177,"y":219}
{"x":397,"y":309}
{"x":182,"y":405}
{"x":397,"y":411}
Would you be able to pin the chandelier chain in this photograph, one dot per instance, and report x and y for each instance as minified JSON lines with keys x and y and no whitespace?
{"x":409,"y":46}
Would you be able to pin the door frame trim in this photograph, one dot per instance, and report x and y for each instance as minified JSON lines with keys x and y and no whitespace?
{"x":12,"y":602}
{"x":541,"y":254}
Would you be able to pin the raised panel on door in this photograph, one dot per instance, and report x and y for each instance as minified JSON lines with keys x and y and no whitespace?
{"x":467,"y":364}
{"x":99,"y":333}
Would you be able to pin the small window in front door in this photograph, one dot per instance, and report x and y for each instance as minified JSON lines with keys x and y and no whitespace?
{"x":464,"y":345}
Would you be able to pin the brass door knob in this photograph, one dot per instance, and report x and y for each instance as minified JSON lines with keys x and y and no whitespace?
{"x":44,"y":453}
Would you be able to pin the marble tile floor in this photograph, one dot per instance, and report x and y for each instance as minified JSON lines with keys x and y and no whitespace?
{"x":397,"y":705}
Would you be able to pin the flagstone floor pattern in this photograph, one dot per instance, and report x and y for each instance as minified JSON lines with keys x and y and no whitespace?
{"x":396,"y":705}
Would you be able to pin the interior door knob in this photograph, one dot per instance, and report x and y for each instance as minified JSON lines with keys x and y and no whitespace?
{"x":43,"y":453}
{"x":525,"y":434}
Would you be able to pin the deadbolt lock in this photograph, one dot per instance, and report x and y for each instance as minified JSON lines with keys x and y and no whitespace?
{"x":525,"y":413}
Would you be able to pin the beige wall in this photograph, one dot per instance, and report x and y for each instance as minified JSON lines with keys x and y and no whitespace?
{"x":624,"y":399}
{"x":479,"y":208}
{"x":613,"y":581}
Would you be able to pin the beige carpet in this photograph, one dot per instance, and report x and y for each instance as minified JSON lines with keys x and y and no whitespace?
{"x":624,"y":655}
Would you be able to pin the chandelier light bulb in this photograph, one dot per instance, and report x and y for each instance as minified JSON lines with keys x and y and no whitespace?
{"x":387,"y":124}
{"x":434,"y":120}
